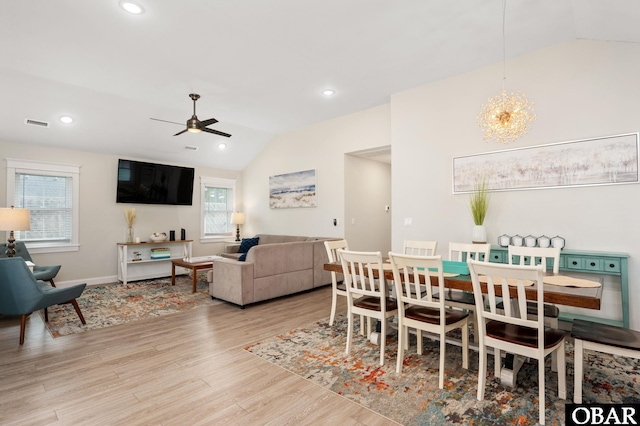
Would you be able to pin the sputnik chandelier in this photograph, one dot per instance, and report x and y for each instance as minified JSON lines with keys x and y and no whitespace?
{"x":506,"y":117}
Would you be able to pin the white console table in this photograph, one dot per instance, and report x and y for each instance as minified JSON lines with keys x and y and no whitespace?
{"x":145,"y":268}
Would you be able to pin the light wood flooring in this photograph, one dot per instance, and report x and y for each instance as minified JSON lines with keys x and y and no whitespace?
{"x":181,"y":369}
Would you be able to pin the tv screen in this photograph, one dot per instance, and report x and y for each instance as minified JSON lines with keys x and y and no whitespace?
{"x":149,"y":183}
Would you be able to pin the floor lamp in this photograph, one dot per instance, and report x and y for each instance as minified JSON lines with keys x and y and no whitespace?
{"x":237,"y":219}
{"x":12,"y":219}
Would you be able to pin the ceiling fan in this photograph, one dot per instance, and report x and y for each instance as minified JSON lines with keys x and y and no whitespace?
{"x":194,"y":125}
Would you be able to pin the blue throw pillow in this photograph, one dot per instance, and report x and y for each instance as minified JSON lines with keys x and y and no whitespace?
{"x":243,"y":257}
{"x":247,"y":243}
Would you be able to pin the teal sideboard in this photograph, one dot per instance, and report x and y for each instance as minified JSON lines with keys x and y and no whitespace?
{"x":588,"y":262}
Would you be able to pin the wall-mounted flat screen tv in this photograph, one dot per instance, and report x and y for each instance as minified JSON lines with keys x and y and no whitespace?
{"x":149,"y":183}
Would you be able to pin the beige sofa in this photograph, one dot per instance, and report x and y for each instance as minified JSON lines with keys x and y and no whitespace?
{"x":278,"y":266}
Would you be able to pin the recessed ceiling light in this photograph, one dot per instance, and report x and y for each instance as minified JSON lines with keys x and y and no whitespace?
{"x":328,"y":92}
{"x":222,"y":145}
{"x":66,"y":119}
{"x":131,"y":7}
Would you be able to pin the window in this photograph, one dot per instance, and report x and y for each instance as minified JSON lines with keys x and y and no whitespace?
{"x":51,"y":193}
{"x":217,"y":200}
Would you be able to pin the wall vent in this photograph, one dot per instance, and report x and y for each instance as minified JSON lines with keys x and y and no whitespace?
{"x":191,"y":148}
{"x":36,"y":122}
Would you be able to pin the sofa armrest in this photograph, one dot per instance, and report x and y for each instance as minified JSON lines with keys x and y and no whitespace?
{"x":233,"y":281}
{"x":232,"y":248}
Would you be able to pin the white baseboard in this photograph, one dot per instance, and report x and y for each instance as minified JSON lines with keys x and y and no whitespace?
{"x":89,"y":281}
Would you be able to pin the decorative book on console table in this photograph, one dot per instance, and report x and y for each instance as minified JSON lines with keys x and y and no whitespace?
{"x":160,"y":253}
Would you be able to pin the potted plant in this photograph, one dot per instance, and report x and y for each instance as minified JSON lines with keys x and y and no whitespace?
{"x":479,"y":203}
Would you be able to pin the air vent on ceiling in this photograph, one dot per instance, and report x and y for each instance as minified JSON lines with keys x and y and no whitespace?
{"x":36,"y":122}
{"x":192,"y":148}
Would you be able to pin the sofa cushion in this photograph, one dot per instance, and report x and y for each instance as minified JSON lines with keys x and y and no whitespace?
{"x":247,"y":243}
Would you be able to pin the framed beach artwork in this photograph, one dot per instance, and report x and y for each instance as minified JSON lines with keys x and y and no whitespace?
{"x":599,"y":161}
{"x":292,"y":190}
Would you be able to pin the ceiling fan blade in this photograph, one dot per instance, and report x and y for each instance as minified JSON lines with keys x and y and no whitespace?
{"x":166,"y":121}
{"x":179,"y":133}
{"x":205,"y":123}
{"x":216,"y":132}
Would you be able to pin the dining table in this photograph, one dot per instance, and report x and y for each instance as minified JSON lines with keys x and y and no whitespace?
{"x":588,"y":297}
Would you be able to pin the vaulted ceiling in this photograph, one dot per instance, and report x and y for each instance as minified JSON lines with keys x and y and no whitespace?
{"x":259,"y":65}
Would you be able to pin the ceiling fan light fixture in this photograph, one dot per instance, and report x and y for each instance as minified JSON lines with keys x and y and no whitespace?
{"x":222,"y":145}
{"x":66,"y":119}
{"x":328,"y":92}
{"x":193,"y":125}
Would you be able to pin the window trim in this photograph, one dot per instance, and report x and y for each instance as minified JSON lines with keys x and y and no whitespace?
{"x":44,"y":168}
{"x":219,"y":183}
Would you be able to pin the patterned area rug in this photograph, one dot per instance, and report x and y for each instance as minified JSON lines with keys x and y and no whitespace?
{"x":316,"y":352}
{"x":113,"y":304}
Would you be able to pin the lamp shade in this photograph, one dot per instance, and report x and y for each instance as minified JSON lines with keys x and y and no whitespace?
{"x":237,"y":218}
{"x":12,"y":219}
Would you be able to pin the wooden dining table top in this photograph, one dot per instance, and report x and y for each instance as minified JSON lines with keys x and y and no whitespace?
{"x":559,"y":295}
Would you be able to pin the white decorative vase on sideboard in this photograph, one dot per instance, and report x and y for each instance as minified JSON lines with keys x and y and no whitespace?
{"x":479,"y":234}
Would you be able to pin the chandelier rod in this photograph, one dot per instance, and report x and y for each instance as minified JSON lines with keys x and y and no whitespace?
{"x":504,"y":44}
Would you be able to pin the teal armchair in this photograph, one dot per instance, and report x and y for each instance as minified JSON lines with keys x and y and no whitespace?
{"x":44,"y":273}
{"x":21,"y":294}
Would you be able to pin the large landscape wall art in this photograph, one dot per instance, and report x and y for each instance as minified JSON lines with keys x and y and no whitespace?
{"x":599,"y":161}
{"x":293,"y":190}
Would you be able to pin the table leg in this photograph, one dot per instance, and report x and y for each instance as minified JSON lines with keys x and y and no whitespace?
{"x":173,"y":273}
{"x":195,"y":276}
{"x":510,"y":368}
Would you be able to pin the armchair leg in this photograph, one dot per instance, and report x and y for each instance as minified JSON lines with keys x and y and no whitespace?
{"x":52,"y":283}
{"x":46,"y":315}
{"x":78,"y":311}
{"x":23,"y":326}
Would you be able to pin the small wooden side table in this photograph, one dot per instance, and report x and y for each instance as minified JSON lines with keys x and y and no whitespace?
{"x":193,"y":263}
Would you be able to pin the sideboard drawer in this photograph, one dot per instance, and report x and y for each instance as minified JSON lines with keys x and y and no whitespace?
{"x":593,"y":264}
{"x":611,"y":265}
{"x":574,"y":262}
{"x":496,"y":257}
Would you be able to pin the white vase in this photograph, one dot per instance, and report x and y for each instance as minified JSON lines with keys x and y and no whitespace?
{"x":479,"y":234}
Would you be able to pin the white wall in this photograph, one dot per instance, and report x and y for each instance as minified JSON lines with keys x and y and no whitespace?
{"x":368,"y":191}
{"x":582,"y":89}
{"x":102,"y":221}
{"x":322,"y":147}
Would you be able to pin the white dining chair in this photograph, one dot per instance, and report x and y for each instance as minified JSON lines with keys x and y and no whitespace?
{"x":462,"y":252}
{"x":418,"y":309}
{"x":539,"y":256}
{"x":511,"y":330}
{"x":366,"y":294}
{"x":337,"y":288}
{"x":420,"y":248}
{"x":605,"y":338}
